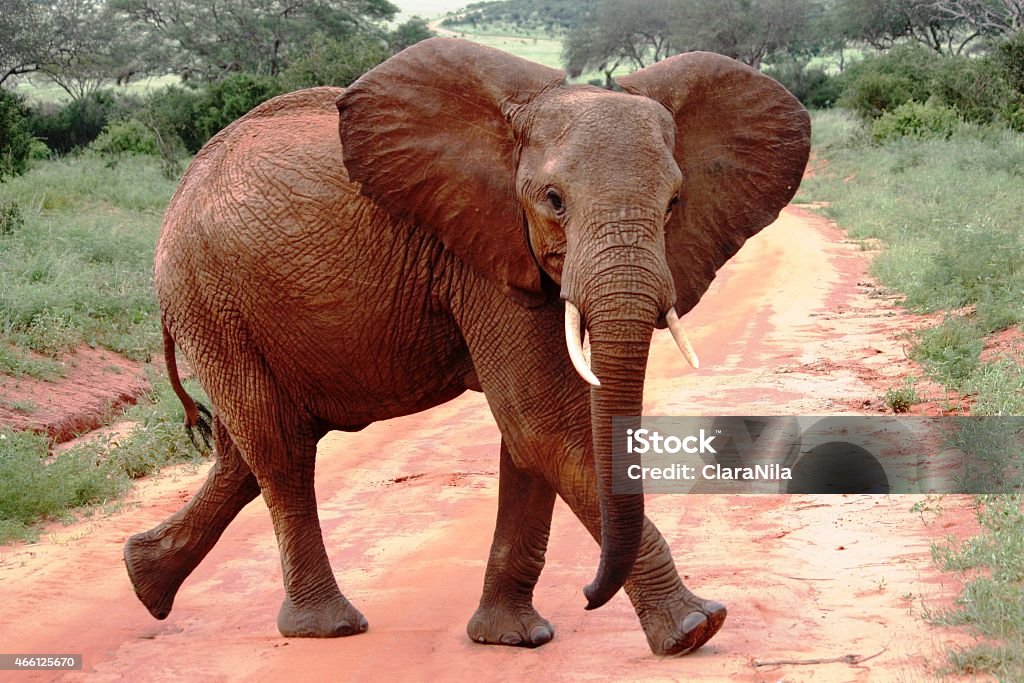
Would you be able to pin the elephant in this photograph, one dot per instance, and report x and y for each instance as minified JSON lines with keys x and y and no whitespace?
{"x":458,"y":219}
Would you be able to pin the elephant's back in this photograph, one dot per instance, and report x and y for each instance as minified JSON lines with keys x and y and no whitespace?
{"x":270,"y":179}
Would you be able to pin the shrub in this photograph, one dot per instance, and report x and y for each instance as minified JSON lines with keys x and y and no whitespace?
{"x":812,"y":86}
{"x":11,"y":219}
{"x":66,"y":127}
{"x":914,"y":120}
{"x":973,"y":87}
{"x":16,"y":142}
{"x":221,"y":102}
{"x":334,"y":62}
{"x":1009,"y":58}
{"x":880,"y":83}
{"x":126,"y":137}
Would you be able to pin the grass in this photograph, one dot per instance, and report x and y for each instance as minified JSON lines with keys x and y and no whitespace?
{"x":78,"y":238}
{"x":948,"y":214}
{"x":35,"y":487}
{"x":992,"y":603}
{"x":38,"y":88}
{"x":77,"y":266}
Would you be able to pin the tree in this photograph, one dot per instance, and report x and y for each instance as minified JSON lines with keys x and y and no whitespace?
{"x":616,"y":34}
{"x":987,"y":17}
{"x":408,"y":34}
{"x":637,"y":34}
{"x":212,"y":38}
{"x":746,"y":30}
{"x":884,"y":23}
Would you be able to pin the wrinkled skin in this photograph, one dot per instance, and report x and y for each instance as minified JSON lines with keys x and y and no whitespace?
{"x":315,"y":289}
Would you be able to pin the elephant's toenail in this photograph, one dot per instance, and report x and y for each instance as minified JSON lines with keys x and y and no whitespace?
{"x":540,"y":635}
{"x":668,"y":644}
{"x":693,"y":621}
{"x":481,"y":639}
{"x":511,"y":639}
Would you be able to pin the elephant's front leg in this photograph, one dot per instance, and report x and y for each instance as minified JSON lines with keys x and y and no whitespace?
{"x":674,"y":620}
{"x":506,"y":615}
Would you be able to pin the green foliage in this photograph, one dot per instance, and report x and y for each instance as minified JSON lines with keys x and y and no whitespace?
{"x":208,"y":40}
{"x":220,"y":103}
{"x":811,"y":85}
{"x":949,"y":352}
{"x":973,"y":87}
{"x":121,"y":138}
{"x":992,"y":605}
{"x":948,"y":213}
{"x":900,"y":399}
{"x":15,"y":135}
{"x":914,"y":120}
{"x":524,"y":16}
{"x":65,"y":127}
{"x":1009,"y":58}
{"x":11,"y":218}
{"x":33,"y":488}
{"x":882,"y":82}
{"x":79,"y":268}
{"x":409,"y":33}
{"x":336,"y":62}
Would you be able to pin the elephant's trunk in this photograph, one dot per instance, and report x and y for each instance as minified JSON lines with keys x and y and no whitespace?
{"x":621,"y":298}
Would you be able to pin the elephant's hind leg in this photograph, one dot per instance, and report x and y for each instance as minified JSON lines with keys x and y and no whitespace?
{"x":280,"y":447}
{"x":506,"y":615}
{"x":160,"y":559}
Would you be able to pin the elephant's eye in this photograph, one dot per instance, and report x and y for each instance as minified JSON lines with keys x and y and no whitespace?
{"x":555,"y":200}
{"x":672,"y":204}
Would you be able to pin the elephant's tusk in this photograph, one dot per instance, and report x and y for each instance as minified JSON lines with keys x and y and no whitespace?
{"x":675,"y":326}
{"x":574,"y":342}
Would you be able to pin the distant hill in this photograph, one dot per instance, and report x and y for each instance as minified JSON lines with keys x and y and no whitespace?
{"x":526,"y":16}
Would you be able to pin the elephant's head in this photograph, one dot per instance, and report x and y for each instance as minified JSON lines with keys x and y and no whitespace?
{"x":624,"y":204}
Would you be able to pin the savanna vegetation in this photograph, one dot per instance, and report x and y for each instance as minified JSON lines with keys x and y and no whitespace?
{"x":918,"y":117}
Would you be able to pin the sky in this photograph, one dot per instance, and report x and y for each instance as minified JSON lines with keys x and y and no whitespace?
{"x":428,"y":9}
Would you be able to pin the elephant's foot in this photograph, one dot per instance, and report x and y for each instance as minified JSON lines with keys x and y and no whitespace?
{"x":154,"y":574}
{"x":333,"y":618}
{"x":502,"y":626}
{"x":683,"y":626}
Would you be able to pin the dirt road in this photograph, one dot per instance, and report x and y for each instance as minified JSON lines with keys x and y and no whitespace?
{"x":407,"y":507}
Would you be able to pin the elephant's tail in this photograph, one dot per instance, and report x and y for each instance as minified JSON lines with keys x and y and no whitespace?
{"x":197,"y":416}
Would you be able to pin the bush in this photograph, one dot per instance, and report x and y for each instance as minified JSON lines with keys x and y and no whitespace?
{"x":914,"y":120}
{"x":16,"y":142}
{"x":812,"y":86}
{"x":222,"y":102}
{"x":11,"y":218}
{"x":880,"y":83}
{"x":126,"y":137}
{"x":973,"y":87}
{"x":66,"y":127}
{"x":334,"y":62}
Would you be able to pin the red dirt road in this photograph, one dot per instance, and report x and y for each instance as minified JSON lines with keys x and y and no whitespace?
{"x":407,"y":509}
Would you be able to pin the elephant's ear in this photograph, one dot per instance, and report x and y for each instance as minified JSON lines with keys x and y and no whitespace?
{"x":742,"y":142}
{"x":426,"y":134}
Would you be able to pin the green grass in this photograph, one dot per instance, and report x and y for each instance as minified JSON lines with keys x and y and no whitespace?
{"x":992,"y":603}
{"x":35,"y":488}
{"x":77,"y":266}
{"x":948,"y":214}
{"x":39,"y":89}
